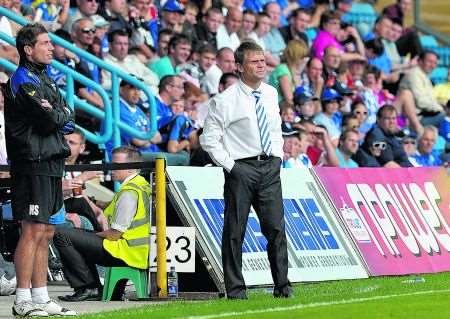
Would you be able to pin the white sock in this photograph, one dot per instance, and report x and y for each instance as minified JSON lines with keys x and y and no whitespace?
{"x":40,"y":295}
{"x":23,"y":294}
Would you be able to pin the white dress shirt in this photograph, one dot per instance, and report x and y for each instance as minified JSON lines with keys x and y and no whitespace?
{"x":231,"y":128}
{"x":226,"y":40}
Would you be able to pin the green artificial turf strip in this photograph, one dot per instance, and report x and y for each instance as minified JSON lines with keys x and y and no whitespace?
{"x":434,"y":305}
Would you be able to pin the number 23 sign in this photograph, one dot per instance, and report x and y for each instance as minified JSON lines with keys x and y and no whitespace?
{"x":180,"y":246}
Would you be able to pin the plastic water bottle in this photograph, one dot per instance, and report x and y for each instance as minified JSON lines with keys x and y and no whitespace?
{"x":172,"y":283}
{"x":414,"y":280}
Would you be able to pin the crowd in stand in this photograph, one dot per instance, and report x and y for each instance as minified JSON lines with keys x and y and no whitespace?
{"x":348,"y":96}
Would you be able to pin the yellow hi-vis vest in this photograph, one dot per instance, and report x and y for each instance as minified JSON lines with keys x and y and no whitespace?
{"x":133,"y":246}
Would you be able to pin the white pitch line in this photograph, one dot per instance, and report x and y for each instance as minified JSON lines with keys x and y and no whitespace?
{"x":313,"y":305}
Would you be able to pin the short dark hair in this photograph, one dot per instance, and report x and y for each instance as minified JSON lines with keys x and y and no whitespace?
{"x":207,"y":48}
{"x":426,"y":52}
{"x":371,"y":69}
{"x":118,"y":32}
{"x":387,"y":108}
{"x":245,"y":47}
{"x":28,"y":36}
{"x":249,"y":11}
{"x":165,"y":32}
{"x":81,"y":134}
{"x":225,"y":76}
{"x":179,"y":39}
{"x":63,"y":34}
{"x":346,"y":133}
{"x":298,"y":11}
{"x":165,"y":81}
{"x":376,"y":45}
{"x":132,"y":153}
{"x":328,"y":16}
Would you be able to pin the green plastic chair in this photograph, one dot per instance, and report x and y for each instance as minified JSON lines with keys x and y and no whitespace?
{"x":115,"y":274}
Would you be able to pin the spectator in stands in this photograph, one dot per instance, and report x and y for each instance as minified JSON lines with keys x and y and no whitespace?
{"x":164,"y":37}
{"x":409,"y":42}
{"x":298,"y":157}
{"x":171,"y":16}
{"x":393,"y":155}
{"x":342,"y":6}
{"x":52,"y":13}
{"x":299,"y":21}
{"x":425,"y":155}
{"x":133,"y":116}
{"x":248,"y":25}
{"x":330,"y":106}
{"x":273,"y":41}
{"x":360,"y":111}
{"x":197,"y":70}
{"x":206,"y":30}
{"x":7,"y":51}
{"x":444,"y":128}
{"x":224,"y":64}
{"x":127,"y":214}
{"x":118,"y":56}
{"x":83,"y":31}
{"x":331,"y":62}
{"x":409,"y":143}
{"x":372,"y":95}
{"x":285,"y":77}
{"x":63,"y":56}
{"x":100,"y":37}
{"x":330,"y":25}
{"x":415,"y":97}
{"x":191,"y":11}
{"x":370,"y":152}
{"x":321,"y":150}
{"x":312,"y":78}
{"x":84,"y":9}
{"x":143,"y":20}
{"x":304,"y":103}
{"x":227,"y":33}
{"x":349,"y":38}
{"x":114,"y":12}
{"x":178,"y":53}
{"x":75,"y":201}
{"x":348,"y":146}
{"x":171,"y":89}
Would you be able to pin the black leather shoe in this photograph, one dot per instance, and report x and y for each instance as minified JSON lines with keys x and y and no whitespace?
{"x":83,"y":294}
{"x":285,"y":292}
{"x":239,"y":296}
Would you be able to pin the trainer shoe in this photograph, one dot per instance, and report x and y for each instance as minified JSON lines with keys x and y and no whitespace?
{"x":28,"y":309}
{"x":54,"y":309}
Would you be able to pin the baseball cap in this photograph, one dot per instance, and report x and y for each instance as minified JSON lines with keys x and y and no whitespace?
{"x":99,"y":21}
{"x":303,"y":94}
{"x":173,"y":6}
{"x":330,"y":94}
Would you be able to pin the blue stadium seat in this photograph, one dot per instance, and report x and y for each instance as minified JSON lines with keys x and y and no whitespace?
{"x":362,"y":16}
{"x":439,"y":75}
{"x":428,"y":41}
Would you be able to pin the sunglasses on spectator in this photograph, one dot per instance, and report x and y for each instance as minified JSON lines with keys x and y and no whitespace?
{"x":359,"y":112}
{"x":380,"y":145}
{"x":88,"y":30}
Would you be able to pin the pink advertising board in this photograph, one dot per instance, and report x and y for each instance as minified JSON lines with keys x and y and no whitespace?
{"x":398,"y":218}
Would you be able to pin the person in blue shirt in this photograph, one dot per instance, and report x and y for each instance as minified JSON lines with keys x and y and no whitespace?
{"x":134,"y":117}
{"x":171,"y":89}
{"x":425,"y":155}
{"x":348,"y":146}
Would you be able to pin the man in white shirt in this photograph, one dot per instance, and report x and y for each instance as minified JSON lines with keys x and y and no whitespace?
{"x":118,"y":56}
{"x":242,"y":133}
{"x":227,"y":33}
{"x":224,"y":64}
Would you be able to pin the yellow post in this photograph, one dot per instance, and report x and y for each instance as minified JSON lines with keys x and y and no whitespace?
{"x":161,"y":272}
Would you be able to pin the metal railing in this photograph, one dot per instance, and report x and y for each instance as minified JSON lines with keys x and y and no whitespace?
{"x":111,"y":113}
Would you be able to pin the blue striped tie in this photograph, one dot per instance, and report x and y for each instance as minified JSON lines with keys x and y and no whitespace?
{"x":263,"y":124}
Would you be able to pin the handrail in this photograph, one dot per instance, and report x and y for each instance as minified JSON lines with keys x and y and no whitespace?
{"x":116,"y":73}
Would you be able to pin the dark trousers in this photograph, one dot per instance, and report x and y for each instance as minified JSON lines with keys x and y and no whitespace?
{"x":80,"y":251}
{"x":253,"y":183}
